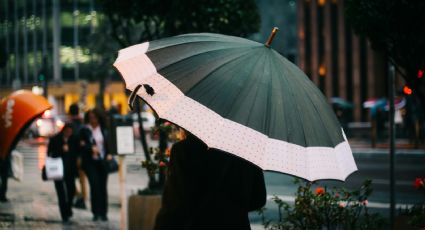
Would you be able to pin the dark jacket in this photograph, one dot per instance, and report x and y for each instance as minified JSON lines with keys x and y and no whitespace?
{"x":69,"y":159}
{"x":86,"y":143}
{"x":209,"y":189}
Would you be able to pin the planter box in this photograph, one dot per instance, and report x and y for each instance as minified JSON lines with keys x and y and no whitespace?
{"x":142,"y":211}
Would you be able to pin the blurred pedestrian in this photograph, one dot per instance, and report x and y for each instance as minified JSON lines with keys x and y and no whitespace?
{"x":93,"y":141}
{"x":4,"y":175}
{"x":77,"y":123}
{"x":209,"y":189}
{"x":64,"y":145}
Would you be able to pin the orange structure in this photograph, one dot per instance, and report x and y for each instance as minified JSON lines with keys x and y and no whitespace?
{"x":17,"y":111}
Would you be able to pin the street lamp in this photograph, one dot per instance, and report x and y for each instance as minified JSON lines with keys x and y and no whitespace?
{"x":322,"y":70}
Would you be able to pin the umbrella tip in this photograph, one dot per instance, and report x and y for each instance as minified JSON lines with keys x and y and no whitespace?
{"x":271,"y":37}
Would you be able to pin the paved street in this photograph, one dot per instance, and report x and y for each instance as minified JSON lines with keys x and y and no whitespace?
{"x":372,"y":164}
{"x":33,"y":203}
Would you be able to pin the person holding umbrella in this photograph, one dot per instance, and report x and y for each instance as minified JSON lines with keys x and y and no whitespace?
{"x":241,"y":97}
{"x":209,"y":189}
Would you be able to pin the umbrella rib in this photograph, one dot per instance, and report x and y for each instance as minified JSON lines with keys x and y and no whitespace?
{"x":296,"y":106}
{"x":320,"y":117}
{"x":198,"y":54}
{"x":217,"y":94}
{"x":256,"y":91}
{"x":313,"y":90}
{"x":153,"y":48}
{"x":239,"y":93}
{"x":218,"y":68}
{"x":269,"y":100}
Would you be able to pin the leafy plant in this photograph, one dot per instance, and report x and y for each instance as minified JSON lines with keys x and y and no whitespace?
{"x":156,"y":164}
{"x":416,"y":213}
{"x":318,"y":207}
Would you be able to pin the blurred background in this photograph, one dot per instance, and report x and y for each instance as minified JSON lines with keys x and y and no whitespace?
{"x":64,"y":50}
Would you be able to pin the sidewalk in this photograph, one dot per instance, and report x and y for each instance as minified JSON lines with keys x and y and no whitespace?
{"x":33,"y":202}
{"x":33,"y":205}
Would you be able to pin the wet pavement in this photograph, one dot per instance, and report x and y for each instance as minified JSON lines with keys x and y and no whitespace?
{"x":33,"y":203}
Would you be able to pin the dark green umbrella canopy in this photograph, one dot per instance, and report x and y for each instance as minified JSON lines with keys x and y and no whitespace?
{"x":249,"y":83}
{"x":241,"y":97}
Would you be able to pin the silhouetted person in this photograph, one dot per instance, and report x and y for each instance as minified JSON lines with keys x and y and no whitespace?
{"x":77,"y":123}
{"x":4,"y":175}
{"x":209,"y":189}
{"x":93,"y":140}
{"x":64,"y":145}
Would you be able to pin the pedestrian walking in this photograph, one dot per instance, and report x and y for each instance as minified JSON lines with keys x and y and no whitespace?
{"x":93,"y":141}
{"x":77,"y":123}
{"x":64,"y":145}
{"x":209,"y":189}
{"x":4,"y":175}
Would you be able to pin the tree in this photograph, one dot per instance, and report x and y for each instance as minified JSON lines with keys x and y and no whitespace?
{"x":135,"y":21}
{"x":103,"y":49}
{"x":3,"y":55}
{"x":394,"y":27}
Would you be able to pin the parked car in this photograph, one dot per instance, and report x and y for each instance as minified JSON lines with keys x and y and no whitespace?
{"x":45,"y":126}
{"x":148,"y":123}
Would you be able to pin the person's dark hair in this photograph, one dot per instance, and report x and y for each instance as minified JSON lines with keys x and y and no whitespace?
{"x":99,"y":115}
{"x":74,"y":110}
{"x":67,"y":125}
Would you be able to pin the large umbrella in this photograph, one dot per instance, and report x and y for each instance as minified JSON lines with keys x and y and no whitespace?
{"x":241,"y":97}
{"x":17,"y":111}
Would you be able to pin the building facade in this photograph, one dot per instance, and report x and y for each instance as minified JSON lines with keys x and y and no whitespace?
{"x":338,"y":61}
{"x":52,"y":38}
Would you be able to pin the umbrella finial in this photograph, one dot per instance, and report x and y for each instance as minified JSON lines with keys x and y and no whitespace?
{"x":271,"y":37}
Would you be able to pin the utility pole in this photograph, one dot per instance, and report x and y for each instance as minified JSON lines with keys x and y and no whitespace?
{"x":16,"y":83}
{"x":25,"y":31}
{"x":56,"y":42}
{"x":43,"y":77}
{"x":392,"y":144}
{"x":6,"y":7}
{"x":75,"y":38}
{"x":44,"y":27}
{"x":34,"y":40}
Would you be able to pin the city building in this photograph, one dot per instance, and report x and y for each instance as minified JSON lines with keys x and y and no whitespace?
{"x":338,"y":61}
{"x":59,"y":31}
{"x":314,"y":34}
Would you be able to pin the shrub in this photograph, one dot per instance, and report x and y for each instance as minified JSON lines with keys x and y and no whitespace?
{"x":323,"y":208}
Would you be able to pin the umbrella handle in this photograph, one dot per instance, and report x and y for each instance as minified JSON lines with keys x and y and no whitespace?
{"x":271,"y":37}
{"x":133,"y":95}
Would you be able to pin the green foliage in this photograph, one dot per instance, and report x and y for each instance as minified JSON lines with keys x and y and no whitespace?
{"x":417,"y":216}
{"x":158,"y":160}
{"x":103,"y":50}
{"x":416,"y":213}
{"x":135,"y":21}
{"x":394,"y":27}
{"x":324,"y":208}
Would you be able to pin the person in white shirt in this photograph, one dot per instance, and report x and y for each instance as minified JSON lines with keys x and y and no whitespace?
{"x":94,"y":151}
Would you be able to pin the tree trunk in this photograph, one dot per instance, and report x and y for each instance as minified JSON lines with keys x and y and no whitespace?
{"x":102,"y":85}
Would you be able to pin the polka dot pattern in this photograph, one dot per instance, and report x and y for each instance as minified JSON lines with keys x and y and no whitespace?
{"x":311,"y":163}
